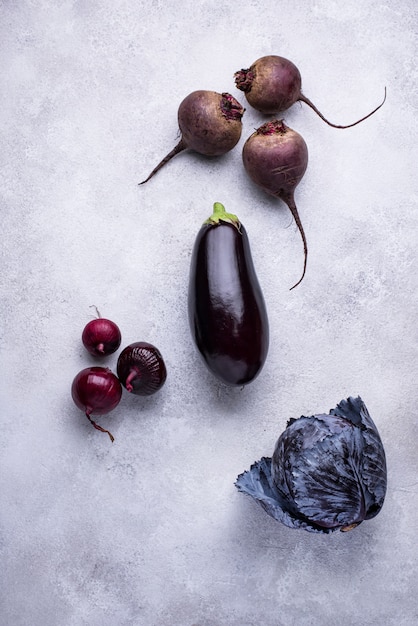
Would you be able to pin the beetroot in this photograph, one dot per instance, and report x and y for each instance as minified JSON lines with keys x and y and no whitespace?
{"x":272,"y":84}
{"x":275,"y":157}
{"x":210,"y":124}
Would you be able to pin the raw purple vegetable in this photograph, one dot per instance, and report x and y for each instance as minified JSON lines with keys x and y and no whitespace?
{"x":210,"y":124}
{"x":101,"y":336}
{"x":227,"y":312}
{"x":272,"y":84}
{"x":141,"y":368}
{"x":96,"y":390}
{"x":275,"y":157}
{"x":327,"y":473}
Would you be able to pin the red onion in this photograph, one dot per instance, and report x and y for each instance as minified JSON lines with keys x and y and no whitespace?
{"x":96,"y":390}
{"x":141,"y":368}
{"x":101,"y":337}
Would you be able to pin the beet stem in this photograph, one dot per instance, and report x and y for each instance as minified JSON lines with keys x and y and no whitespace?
{"x":103,"y":430}
{"x":306,"y":100}
{"x":176,"y":150}
{"x":289,"y":200}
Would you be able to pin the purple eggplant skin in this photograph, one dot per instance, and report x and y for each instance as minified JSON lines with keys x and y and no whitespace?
{"x":227,"y":312}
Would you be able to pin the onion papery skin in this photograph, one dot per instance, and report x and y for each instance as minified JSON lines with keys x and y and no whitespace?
{"x":96,"y":391}
{"x":101,"y":337}
{"x":141,"y":369}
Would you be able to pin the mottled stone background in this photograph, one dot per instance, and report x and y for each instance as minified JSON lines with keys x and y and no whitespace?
{"x":150,"y":531}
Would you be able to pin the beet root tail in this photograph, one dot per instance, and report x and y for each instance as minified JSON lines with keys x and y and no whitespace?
{"x":289,"y":200}
{"x":311,"y":104}
{"x":176,"y":150}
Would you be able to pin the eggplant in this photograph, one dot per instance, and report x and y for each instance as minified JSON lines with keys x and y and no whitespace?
{"x":227,"y":313}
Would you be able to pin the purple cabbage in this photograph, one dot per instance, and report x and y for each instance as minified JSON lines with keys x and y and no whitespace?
{"x":327,"y":472}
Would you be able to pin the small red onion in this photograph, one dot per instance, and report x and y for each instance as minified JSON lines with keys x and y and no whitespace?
{"x":101,"y":337}
{"x":141,"y":368}
{"x":96,"y":390}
